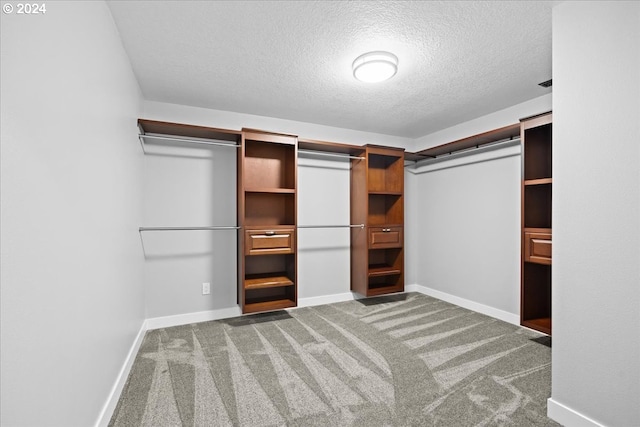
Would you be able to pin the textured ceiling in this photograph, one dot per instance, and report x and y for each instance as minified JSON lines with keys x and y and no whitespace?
{"x":292,"y":59}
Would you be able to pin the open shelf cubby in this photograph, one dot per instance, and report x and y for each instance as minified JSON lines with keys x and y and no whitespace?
{"x":269,"y":165}
{"x":385,"y":174}
{"x":264,"y":209}
{"x":385,"y":260}
{"x":258,"y":300}
{"x":537,"y":152}
{"x":282,"y":264}
{"x":537,"y":294}
{"x":385,"y":285}
{"x":386,"y":270}
{"x":537,"y":201}
{"x":385,"y":209}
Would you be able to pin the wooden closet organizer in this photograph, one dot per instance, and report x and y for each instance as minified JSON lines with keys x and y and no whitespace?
{"x":377,"y":200}
{"x":267,"y":215}
{"x":535,"y":292}
{"x":267,"y":211}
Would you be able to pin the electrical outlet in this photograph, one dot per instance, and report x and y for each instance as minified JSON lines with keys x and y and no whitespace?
{"x":206,"y":288}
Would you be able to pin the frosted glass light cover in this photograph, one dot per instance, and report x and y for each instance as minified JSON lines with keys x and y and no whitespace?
{"x":375,"y":67}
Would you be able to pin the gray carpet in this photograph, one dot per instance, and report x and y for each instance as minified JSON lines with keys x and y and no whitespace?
{"x":405,"y":360}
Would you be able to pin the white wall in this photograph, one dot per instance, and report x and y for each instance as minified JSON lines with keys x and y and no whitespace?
{"x":187,"y":186}
{"x":466,"y":244}
{"x":323,"y":253}
{"x":596,"y":215}
{"x":72,"y":300}
{"x":468,"y":236}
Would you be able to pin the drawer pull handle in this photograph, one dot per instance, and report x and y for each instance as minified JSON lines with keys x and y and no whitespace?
{"x":269,"y":233}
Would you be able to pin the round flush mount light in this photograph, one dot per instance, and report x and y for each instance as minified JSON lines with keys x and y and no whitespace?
{"x":372,"y":67}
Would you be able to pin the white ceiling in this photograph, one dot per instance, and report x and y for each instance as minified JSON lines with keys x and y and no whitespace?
{"x":292,"y":59}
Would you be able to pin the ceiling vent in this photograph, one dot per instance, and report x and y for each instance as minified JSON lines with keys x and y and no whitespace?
{"x":546,"y":84}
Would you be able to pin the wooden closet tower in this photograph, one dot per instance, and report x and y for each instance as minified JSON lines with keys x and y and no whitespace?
{"x":535,"y":292}
{"x":377,"y":200}
{"x":267,"y":215}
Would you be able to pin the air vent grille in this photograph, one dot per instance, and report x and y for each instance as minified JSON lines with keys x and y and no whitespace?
{"x":546,"y":84}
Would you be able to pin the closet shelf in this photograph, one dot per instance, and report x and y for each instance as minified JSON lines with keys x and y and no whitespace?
{"x":541,"y":181}
{"x":257,"y":305}
{"x":270,"y":280}
{"x":215,"y":227}
{"x":329,"y":147}
{"x":542,"y":324}
{"x":187,"y":140}
{"x":537,"y":229}
{"x":415,"y":157}
{"x":383,"y":289}
{"x":270,"y":190}
{"x":322,"y":153}
{"x":386,"y":224}
{"x":378,"y":270}
{"x":475,"y":141}
{"x":333,"y":226}
{"x":385,"y":193}
{"x":189,"y":131}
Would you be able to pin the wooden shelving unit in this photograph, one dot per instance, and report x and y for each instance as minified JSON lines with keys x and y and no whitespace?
{"x":377,"y":200}
{"x":267,"y":191}
{"x":537,"y":181}
{"x":154,"y":127}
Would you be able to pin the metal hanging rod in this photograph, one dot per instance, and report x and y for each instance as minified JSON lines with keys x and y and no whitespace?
{"x":322,"y":153}
{"x":223,"y":227}
{"x":201,"y":141}
{"x":333,"y":226}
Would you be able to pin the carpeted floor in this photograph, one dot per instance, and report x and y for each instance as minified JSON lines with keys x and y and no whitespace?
{"x":404,"y":360}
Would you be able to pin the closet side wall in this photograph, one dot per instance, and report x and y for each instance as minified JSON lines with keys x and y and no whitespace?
{"x":596,"y":216}
{"x":468,"y":233}
{"x":466,"y":244}
{"x":72,"y":299}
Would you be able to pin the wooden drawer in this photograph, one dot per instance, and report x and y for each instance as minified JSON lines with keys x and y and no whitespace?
{"x":385,"y":237}
{"x":269,"y":242}
{"x":537,"y":247}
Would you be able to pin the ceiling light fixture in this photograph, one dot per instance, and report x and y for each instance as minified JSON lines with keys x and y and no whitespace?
{"x":373,"y":67}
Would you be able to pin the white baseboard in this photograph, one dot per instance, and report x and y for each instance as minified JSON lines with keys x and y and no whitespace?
{"x":225,"y":313}
{"x":465,"y":303}
{"x":188,"y":318}
{"x":567,"y":416}
{"x":326,"y":299}
{"x":118,"y":386}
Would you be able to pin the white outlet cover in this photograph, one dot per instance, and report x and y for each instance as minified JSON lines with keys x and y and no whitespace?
{"x":206,"y":288}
